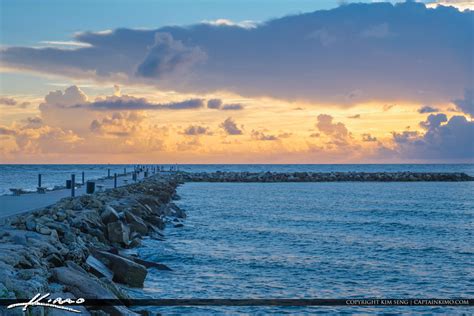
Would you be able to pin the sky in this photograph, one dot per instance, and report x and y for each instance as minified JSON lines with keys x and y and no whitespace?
{"x":236,"y":81}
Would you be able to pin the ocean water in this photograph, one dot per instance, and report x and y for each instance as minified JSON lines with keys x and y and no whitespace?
{"x":26,"y":176}
{"x":318,"y":240}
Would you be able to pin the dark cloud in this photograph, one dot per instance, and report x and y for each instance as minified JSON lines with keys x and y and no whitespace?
{"x":34,"y":122}
{"x":232,"y":107}
{"x":444,"y":139}
{"x":195,"y":130}
{"x":218,"y":104}
{"x":169,"y":56}
{"x":214,"y":103}
{"x":132,"y":103}
{"x":7,"y":131}
{"x":427,"y":109}
{"x":379,"y":51}
{"x":230,"y":127}
{"x":368,"y":138}
{"x":259,"y":135}
{"x":466,"y":104}
{"x":7,"y":101}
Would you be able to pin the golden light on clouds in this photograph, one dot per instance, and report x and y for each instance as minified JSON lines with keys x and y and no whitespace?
{"x":262,"y":130}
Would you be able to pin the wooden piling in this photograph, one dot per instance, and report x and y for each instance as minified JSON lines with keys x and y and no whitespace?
{"x":73,"y":185}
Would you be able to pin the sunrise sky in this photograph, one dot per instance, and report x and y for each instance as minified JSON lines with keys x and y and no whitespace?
{"x":232,"y":81}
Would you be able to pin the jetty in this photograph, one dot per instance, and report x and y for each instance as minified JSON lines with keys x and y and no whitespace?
{"x":324,"y":177}
{"x":75,"y":247}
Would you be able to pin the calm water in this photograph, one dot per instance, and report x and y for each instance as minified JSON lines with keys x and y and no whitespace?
{"x":26,"y":176}
{"x":318,"y":240}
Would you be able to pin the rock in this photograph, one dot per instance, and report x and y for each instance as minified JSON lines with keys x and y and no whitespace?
{"x":98,"y":268}
{"x":109,"y":215}
{"x":136,"y":242}
{"x":30,"y":224}
{"x":82,"y":285}
{"x":43,"y":229}
{"x":54,"y":260}
{"x":125,"y":270}
{"x":118,"y":232}
{"x":136,"y":223}
{"x":178,"y":225}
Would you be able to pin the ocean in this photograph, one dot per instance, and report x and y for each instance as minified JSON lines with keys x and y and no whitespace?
{"x":310,"y":240}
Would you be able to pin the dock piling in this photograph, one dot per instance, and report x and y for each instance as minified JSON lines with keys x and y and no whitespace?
{"x":73,"y":185}
{"x":39,"y":180}
{"x":115,"y":180}
{"x":83,"y":177}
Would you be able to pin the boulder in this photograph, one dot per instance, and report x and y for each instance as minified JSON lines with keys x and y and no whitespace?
{"x":30,"y":224}
{"x":109,"y":215}
{"x":136,"y":223}
{"x":98,"y":268}
{"x":118,"y":232}
{"x":43,"y":229}
{"x":81,"y":285}
{"x":125,"y":270}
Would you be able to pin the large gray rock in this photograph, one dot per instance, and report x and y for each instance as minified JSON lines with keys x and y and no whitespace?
{"x":125,"y":270}
{"x":98,"y":268}
{"x":118,"y":232}
{"x":109,"y":215}
{"x":85,"y":286}
{"x":136,"y":223}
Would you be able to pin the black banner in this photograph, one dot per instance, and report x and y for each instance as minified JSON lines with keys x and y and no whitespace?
{"x":268,"y":302}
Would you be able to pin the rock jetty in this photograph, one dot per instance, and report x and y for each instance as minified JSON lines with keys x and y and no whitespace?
{"x":75,"y":247}
{"x":323,"y":177}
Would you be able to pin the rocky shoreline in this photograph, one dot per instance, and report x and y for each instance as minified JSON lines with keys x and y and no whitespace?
{"x":75,"y":248}
{"x":323,"y":177}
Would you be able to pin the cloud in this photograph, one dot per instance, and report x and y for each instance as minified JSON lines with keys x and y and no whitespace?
{"x":214,"y":103}
{"x":325,"y":125}
{"x":7,"y":101}
{"x":444,"y":139}
{"x":118,"y":124}
{"x":355,"y":116}
{"x":34,"y":122}
{"x":218,"y":104}
{"x":259,"y":135}
{"x":382,"y":51}
{"x":230,"y":127}
{"x":368,"y":138}
{"x":232,"y":107}
{"x":460,"y":4}
{"x":7,"y":131}
{"x":169,"y":56}
{"x":427,"y":109}
{"x":195,"y":130}
{"x":246,"y":24}
{"x":379,"y":31}
{"x":132,"y":103}
{"x":466,"y":104}
{"x":73,"y":95}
